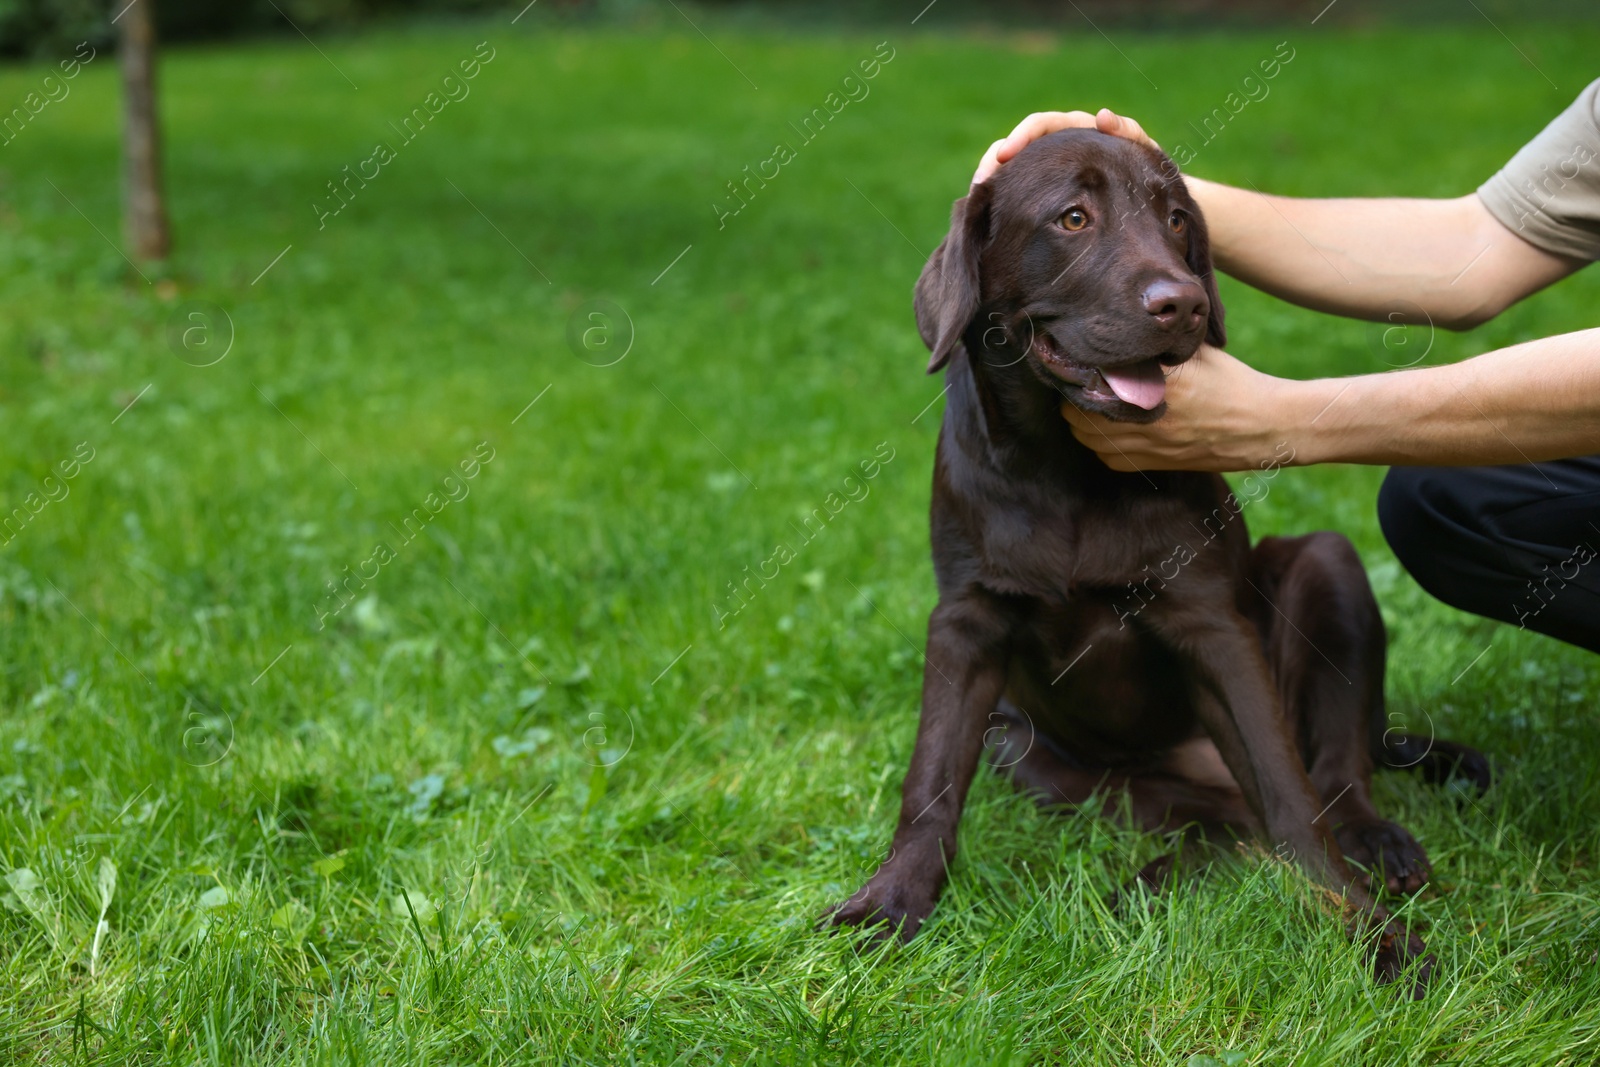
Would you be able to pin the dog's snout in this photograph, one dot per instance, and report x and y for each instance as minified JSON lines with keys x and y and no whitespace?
{"x":1177,"y":306}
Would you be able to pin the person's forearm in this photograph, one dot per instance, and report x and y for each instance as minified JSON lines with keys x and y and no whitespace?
{"x":1448,"y":262}
{"x":1531,"y":402}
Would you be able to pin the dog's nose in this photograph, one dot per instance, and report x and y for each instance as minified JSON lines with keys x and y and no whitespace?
{"x":1177,"y":306}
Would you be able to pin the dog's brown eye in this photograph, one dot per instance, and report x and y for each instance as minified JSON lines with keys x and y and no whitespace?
{"x":1176,"y":222}
{"x":1074,"y":219}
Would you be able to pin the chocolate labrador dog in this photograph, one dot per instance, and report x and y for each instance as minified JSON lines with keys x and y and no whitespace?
{"x":1104,"y":633}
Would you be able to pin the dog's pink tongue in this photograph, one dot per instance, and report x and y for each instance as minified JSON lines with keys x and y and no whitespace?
{"x":1140,"y":384}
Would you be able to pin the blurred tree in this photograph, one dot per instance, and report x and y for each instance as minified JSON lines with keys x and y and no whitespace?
{"x":144,"y":210}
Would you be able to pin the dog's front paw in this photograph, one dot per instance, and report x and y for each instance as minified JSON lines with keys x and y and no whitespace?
{"x":887,"y":909}
{"x":1388,"y":852}
{"x":1400,"y":956}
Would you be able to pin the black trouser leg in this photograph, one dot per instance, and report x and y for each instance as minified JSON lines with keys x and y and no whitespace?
{"x":1520,"y":544}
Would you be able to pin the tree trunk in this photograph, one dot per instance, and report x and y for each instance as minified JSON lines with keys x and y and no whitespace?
{"x":145,"y":213}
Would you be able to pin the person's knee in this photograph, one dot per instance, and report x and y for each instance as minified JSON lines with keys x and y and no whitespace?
{"x":1410,"y":522}
{"x":1426,"y":522}
{"x":1441,"y":525}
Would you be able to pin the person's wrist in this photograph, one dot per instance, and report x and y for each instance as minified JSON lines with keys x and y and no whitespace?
{"x":1310,"y":424}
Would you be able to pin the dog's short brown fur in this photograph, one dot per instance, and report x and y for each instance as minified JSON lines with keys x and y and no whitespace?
{"x":1102,"y":631}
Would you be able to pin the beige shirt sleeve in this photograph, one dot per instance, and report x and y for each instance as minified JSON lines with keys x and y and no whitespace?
{"x":1549,"y":193}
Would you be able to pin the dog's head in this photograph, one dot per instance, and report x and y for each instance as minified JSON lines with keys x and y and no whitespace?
{"x":1084,"y":265}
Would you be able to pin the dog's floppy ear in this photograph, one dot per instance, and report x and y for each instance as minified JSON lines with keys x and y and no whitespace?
{"x":947,"y":292}
{"x":1199,"y":260}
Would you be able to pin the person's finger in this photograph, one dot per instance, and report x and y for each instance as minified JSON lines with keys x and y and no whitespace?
{"x":1037,"y":125}
{"x":1108,"y":121}
{"x":1112,"y":456}
{"x":1104,"y":448}
{"x":1082,"y":420}
{"x":1084,"y":426}
{"x":989,"y":163}
{"x":1041,"y":123}
{"x":1092,"y":432}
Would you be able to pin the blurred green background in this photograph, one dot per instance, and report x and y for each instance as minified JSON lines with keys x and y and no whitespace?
{"x":523,"y":800}
{"x":41,"y":26}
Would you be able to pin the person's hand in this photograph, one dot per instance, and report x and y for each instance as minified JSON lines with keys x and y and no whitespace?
{"x":1222,"y":415}
{"x":1040,"y":123}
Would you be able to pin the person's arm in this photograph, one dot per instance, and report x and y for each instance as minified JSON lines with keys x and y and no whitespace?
{"x":1448,"y":262}
{"x":1534,"y":401}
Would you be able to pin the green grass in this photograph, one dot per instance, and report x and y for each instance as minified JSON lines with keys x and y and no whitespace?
{"x":268,"y":818}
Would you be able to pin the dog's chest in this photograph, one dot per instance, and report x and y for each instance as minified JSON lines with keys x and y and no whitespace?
{"x":1053,"y":546}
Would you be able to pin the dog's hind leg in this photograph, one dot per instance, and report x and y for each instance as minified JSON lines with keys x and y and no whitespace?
{"x":1202,"y":814}
{"x":1167,"y":796}
{"x":1437,"y":760}
{"x":1195,"y":852}
{"x":1034,"y":764}
{"x":1324,"y":639}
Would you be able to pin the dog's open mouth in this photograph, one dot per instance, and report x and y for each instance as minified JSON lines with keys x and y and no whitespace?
{"x":1140,"y":382}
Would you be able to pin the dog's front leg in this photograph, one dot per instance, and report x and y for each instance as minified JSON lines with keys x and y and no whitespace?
{"x":961,"y":685}
{"x":1241,"y":709}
